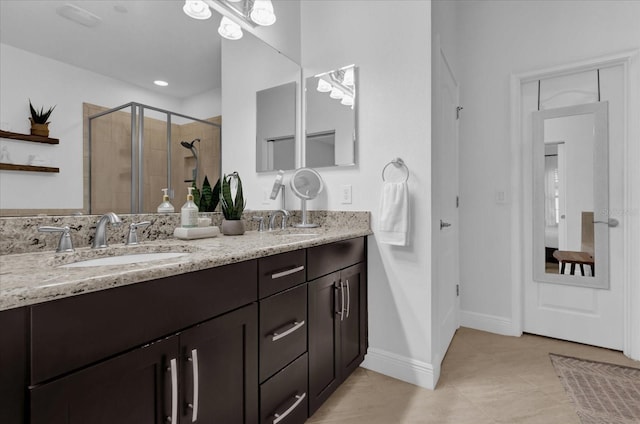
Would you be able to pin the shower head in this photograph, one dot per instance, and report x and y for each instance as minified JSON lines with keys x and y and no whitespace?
{"x":188,"y":145}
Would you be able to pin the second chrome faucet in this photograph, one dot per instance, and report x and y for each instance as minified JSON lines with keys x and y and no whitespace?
{"x":100,"y":239}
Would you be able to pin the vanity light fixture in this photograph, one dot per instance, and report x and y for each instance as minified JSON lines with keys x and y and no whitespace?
{"x":336,"y":93}
{"x":323,"y":86}
{"x":347,"y":100}
{"x":196,"y":9}
{"x":161,"y":83}
{"x":262,"y":13}
{"x":229,"y":29}
{"x":348,"y":77}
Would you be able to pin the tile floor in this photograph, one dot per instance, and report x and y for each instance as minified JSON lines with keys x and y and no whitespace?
{"x":485,"y":379}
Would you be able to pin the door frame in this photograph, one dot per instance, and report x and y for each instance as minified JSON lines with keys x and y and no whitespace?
{"x":629,"y":216}
{"x":438,"y":350}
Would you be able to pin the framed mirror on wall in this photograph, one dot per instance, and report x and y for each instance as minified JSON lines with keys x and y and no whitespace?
{"x":276,"y":128}
{"x":571,"y":195}
{"x":331,"y":101}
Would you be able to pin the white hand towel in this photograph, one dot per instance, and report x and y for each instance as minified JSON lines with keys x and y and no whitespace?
{"x":393,"y":227}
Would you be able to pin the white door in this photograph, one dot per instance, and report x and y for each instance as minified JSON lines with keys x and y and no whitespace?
{"x":593,"y":316}
{"x":445,"y":204}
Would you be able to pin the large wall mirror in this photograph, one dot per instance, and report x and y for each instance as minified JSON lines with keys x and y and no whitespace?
{"x":330,"y":120}
{"x":54,"y":54}
{"x":571,"y":195}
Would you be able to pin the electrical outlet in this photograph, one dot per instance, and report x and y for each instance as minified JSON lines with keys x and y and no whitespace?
{"x":346,"y":194}
{"x":501,"y":197}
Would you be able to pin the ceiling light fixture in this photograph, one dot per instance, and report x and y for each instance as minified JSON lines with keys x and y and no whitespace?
{"x":262,"y":13}
{"x":229,"y":29}
{"x":161,"y":83}
{"x":196,"y":9}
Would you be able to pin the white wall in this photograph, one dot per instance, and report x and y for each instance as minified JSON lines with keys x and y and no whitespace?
{"x":47,"y":82}
{"x":495,"y":39}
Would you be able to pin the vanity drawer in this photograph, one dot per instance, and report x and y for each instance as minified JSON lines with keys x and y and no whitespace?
{"x":283,"y":329}
{"x":285,"y":394}
{"x":328,"y":258}
{"x":70,"y":333}
{"x":280,"y":272}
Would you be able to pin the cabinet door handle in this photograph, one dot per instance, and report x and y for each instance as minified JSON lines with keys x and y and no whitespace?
{"x":341,"y":301}
{"x":173,"y":367}
{"x":280,"y":417}
{"x":348,"y":299}
{"x":196,"y":385}
{"x":277,"y":335}
{"x":287,"y":272}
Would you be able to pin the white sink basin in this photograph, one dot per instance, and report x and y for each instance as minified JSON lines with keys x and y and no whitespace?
{"x":124,"y":259}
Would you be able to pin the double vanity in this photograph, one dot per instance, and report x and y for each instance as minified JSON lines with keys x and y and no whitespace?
{"x":259,"y":328}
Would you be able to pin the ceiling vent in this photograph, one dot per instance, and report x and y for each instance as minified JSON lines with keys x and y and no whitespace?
{"x":78,"y":15}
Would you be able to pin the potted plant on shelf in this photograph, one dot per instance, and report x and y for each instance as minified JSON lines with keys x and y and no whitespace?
{"x":232,"y":206}
{"x":40,"y":120}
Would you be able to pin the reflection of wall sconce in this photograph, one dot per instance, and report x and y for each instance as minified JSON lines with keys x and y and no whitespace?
{"x":234,"y":14}
{"x":336,"y":93}
{"x":340,"y":84}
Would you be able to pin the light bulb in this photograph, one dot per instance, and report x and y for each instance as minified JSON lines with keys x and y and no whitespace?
{"x":196,"y":9}
{"x":348,"y":77}
{"x":229,"y":29}
{"x":336,"y":93}
{"x":262,"y":13}
{"x":323,"y":86}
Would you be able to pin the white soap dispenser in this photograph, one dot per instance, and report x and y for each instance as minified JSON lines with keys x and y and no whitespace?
{"x":166,"y":206}
{"x":189,"y":211}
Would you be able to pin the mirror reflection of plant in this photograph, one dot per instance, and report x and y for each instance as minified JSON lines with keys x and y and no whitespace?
{"x":232,"y":207}
{"x":40,"y":117}
{"x":206,"y":199}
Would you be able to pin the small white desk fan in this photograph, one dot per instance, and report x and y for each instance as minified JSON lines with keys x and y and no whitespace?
{"x":306,"y":183}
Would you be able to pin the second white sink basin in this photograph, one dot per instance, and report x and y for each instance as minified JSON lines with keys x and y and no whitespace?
{"x":124,"y":259}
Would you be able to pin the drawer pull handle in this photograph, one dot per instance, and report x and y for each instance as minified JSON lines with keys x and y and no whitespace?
{"x":280,"y":417}
{"x":196,"y":385}
{"x":287,"y":272}
{"x":174,"y":391}
{"x":277,"y":335}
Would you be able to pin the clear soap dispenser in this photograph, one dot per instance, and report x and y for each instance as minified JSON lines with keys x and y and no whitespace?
{"x":166,"y":206}
{"x":189,"y":217}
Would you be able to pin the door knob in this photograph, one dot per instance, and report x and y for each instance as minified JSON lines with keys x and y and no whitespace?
{"x":444,"y":224}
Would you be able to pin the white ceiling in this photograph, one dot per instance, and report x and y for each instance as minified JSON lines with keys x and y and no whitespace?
{"x":150,"y":40}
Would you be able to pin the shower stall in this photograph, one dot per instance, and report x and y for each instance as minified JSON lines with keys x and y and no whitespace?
{"x":136,"y":150}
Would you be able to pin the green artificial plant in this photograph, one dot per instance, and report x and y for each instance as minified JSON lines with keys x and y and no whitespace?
{"x":232,"y":207}
{"x":40,"y":117}
{"x":206,"y":199}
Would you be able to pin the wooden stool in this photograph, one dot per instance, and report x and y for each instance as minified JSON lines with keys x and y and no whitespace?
{"x":573,"y":258}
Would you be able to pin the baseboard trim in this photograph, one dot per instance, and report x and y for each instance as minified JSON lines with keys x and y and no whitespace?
{"x":402,"y":368}
{"x":486,"y":322}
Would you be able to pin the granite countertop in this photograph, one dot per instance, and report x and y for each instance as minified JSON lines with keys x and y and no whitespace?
{"x":31,"y":278}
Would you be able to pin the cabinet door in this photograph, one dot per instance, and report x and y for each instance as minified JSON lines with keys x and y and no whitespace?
{"x":13,"y":365}
{"x":220,"y":362}
{"x":134,"y":388}
{"x":324,"y":322}
{"x":353,"y":327}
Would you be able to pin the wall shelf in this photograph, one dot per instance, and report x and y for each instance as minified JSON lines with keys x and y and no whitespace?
{"x":28,"y":168}
{"x":28,"y":137}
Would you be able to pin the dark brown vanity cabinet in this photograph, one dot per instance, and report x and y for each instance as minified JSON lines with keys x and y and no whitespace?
{"x":337,"y":316}
{"x":203,"y":372}
{"x":283,"y":338}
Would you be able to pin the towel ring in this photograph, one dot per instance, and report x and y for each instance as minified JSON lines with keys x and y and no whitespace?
{"x":398,"y":163}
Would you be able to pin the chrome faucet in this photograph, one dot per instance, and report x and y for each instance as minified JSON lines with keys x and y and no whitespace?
{"x":100,"y":240}
{"x":272,"y":219}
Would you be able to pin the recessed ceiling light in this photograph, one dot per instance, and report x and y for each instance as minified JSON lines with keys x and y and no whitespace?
{"x":161,"y":83}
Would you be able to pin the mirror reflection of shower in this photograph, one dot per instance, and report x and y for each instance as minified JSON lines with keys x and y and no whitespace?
{"x":194,"y":151}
